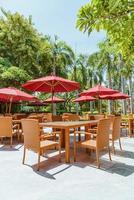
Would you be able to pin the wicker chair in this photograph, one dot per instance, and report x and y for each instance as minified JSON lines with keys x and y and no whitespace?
{"x":130,"y":126}
{"x":6,"y":128}
{"x":101,"y":141}
{"x":32,"y":140}
{"x":115,"y":132}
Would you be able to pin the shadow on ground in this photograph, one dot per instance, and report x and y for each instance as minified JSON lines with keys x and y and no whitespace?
{"x":51,"y":167}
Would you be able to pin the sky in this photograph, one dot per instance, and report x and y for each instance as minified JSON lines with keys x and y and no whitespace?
{"x":57,"y":17}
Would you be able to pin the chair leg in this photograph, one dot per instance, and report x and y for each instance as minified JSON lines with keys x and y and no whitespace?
{"x":113,"y":148}
{"x":1,"y":140}
{"x":18,"y":138}
{"x":11,"y":140}
{"x":59,"y":152}
{"x":126,"y":132}
{"x":18,"y":134}
{"x":74,"y":147}
{"x":38,"y":166}
{"x":120,"y":144}
{"x":109,"y":152}
{"x":97,"y":158}
{"x":24,"y":153}
{"x":79,"y":137}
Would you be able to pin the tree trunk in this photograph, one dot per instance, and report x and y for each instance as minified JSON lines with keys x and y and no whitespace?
{"x":92,"y":102}
{"x":123,"y":81}
{"x":131,"y":94}
{"x":54,"y":104}
{"x":75,"y":73}
{"x":110,"y":86}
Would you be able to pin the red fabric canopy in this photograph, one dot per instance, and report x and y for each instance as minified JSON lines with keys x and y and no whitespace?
{"x":51,"y":84}
{"x":98,"y":90}
{"x":54,"y":100}
{"x":115,"y":96}
{"x":14,"y":95}
{"x":84,"y":99}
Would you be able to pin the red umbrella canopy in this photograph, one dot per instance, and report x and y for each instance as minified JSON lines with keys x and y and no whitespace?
{"x":54,"y":100}
{"x":98,"y":90}
{"x":115,"y":96}
{"x":84,"y":99}
{"x":13,"y":94}
{"x":51,"y":84}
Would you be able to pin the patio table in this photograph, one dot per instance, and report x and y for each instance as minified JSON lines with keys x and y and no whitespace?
{"x":66,"y":126}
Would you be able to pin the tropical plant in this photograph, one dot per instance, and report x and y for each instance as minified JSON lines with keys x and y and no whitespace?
{"x":62,"y":56}
{"x":21,"y":44}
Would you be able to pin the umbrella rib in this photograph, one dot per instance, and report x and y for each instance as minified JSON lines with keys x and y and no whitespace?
{"x":36,"y":89}
{"x":63,"y":87}
{"x":49,"y":84}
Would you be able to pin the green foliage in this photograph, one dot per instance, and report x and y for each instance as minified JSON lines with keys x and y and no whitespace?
{"x":116,"y":17}
{"x":14,"y":76}
{"x":78,"y":71}
{"x":21,"y":44}
{"x":62,"y":56}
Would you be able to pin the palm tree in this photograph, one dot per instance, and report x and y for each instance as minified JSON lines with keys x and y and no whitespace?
{"x":127,"y":77}
{"x":79,"y":70}
{"x":94,"y":70}
{"x":62,"y":56}
{"x":95,"y":74}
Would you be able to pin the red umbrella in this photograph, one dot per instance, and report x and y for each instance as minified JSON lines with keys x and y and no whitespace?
{"x":51,"y":84}
{"x":84,"y":99}
{"x":54,"y":100}
{"x":115,"y":96}
{"x":11,"y":94}
{"x":14,"y":94}
{"x":98,"y":90}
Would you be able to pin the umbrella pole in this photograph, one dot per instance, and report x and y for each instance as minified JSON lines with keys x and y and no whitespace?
{"x":115,"y":106}
{"x":98,"y":101}
{"x":10,"y":105}
{"x":77,"y":105}
{"x":99,"y":107}
{"x":52,"y":102}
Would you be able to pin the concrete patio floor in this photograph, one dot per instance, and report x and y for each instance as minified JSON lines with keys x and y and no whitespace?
{"x":60,"y":181}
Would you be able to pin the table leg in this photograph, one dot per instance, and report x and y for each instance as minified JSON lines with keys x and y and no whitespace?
{"x":62,"y":138}
{"x":79,"y":135}
{"x":67,"y":145}
{"x":87,"y":137}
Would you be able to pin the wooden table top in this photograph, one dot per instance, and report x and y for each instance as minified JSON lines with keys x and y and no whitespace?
{"x":68,"y":124}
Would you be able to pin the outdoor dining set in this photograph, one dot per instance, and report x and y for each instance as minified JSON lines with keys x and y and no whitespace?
{"x":92,"y":132}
